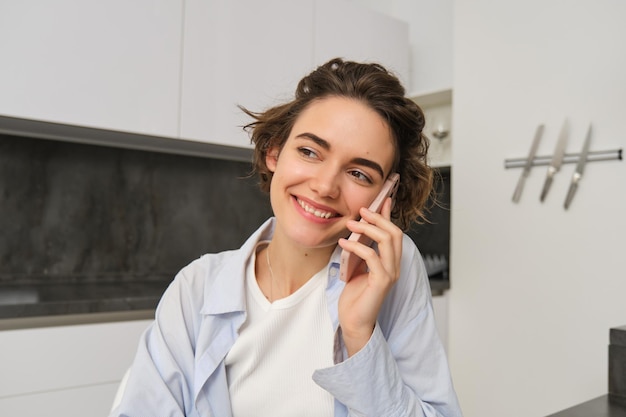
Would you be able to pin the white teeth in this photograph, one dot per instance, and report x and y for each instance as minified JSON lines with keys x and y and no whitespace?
{"x":313,"y":211}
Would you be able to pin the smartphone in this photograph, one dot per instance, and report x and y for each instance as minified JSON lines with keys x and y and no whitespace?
{"x":349,"y":261}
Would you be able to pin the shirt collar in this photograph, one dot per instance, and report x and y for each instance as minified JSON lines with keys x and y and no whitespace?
{"x":227,"y":292}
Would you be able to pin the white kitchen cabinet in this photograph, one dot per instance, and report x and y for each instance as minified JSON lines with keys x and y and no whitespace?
{"x":240,"y":52}
{"x":430,"y":40}
{"x":178,"y":69}
{"x":104,"y":64}
{"x":253,"y":54}
{"x":65,"y":370}
{"x":345,"y":29}
{"x":71,"y":402}
{"x":431,"y":43}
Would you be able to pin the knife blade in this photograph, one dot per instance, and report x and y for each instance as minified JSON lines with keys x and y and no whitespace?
{"x":528,"y":165}
{"x":556,"y":162}
{"x":578,"y":172}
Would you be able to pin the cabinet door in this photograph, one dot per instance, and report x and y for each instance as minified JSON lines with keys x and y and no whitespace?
{"x":240,"y":52}
{"x":44,"y":368}
{"x":105,"y":64}
{"x":344,"y":29}
{"x":431,"y":45}
{"x":253,"y":54}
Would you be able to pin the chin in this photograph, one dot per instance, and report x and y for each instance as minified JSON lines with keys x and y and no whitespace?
{"x":307,"y":241}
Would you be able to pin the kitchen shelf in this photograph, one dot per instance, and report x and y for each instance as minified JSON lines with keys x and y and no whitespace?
{"x":437,"y":107}
{"x":432,"y":98}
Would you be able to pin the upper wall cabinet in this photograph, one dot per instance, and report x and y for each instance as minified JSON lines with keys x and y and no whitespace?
{"x":181,"y":68}
{"x":241,"y":52}
{"x":253,"y":54}
{"x":431,"y":43}
{"x":344,"y":29}
{"x":430,"y":40}
{"x":105,"y":64}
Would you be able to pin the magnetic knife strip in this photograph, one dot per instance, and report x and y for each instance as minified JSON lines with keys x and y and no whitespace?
{"x":555,"y":161}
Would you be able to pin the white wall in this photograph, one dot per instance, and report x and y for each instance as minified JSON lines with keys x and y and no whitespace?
{"x":536,"y":288}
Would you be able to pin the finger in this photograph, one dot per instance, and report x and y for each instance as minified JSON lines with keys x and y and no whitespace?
{"x":379,"y":229}
{"x":384,"y":213}
{"x":387,"y":235}
{"x":371,"y":264}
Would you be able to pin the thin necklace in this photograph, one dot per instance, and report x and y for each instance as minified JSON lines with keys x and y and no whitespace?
{"x":269,"y":265}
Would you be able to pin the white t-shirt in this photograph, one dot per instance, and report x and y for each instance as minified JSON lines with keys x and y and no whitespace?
{"x":269,"y":367}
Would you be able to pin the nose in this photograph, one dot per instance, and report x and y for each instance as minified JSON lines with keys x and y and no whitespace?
{"x":326,"y":183}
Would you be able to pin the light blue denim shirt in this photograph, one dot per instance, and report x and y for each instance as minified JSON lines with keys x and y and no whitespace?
{"x":179,"y":366}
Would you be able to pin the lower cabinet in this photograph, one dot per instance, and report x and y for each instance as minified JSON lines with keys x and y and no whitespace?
{"x":74,"y":371}
{"x":67,"y":370}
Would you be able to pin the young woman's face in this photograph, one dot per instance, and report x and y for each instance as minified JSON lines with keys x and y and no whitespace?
{"x":334,"y":162}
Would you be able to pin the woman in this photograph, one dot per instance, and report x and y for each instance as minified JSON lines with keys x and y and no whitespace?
{"x":270,"y":329}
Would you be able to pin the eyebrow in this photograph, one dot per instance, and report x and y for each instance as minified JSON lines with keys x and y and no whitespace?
{"x":324,"y":144}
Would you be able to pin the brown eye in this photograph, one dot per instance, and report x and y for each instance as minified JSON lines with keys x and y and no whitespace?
{"x":361,"y":176}
{"x":307,"y":152}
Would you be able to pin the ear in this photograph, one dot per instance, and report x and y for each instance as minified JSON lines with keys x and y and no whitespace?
{"x":271,"y":158}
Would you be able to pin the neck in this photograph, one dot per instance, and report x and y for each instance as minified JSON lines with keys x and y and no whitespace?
{"x":281,"y":271}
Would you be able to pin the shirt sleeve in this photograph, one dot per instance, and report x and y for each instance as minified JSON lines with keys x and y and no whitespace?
{"x":402,"y":370}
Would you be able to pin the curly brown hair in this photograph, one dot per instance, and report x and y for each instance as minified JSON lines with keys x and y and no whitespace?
{"x":375,"y":86}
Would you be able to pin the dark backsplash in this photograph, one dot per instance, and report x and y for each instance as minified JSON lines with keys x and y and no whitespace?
{"x":433,"y":237}
{"x":84,"y":213}
{"x":79,"y":213}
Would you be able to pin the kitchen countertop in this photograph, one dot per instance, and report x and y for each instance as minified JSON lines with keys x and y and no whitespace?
{"x":18,"y":301}
{"x":604,"y":406}
{"x":439,"y":286}
{"x":59,"y":298}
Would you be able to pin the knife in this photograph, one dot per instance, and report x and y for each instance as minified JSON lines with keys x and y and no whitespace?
{"x":529,"y":163}
{"x":557,"y":161}
{"x":580,"y":167}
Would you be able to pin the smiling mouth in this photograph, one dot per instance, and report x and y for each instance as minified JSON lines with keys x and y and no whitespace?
{"x":314,"y":211}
